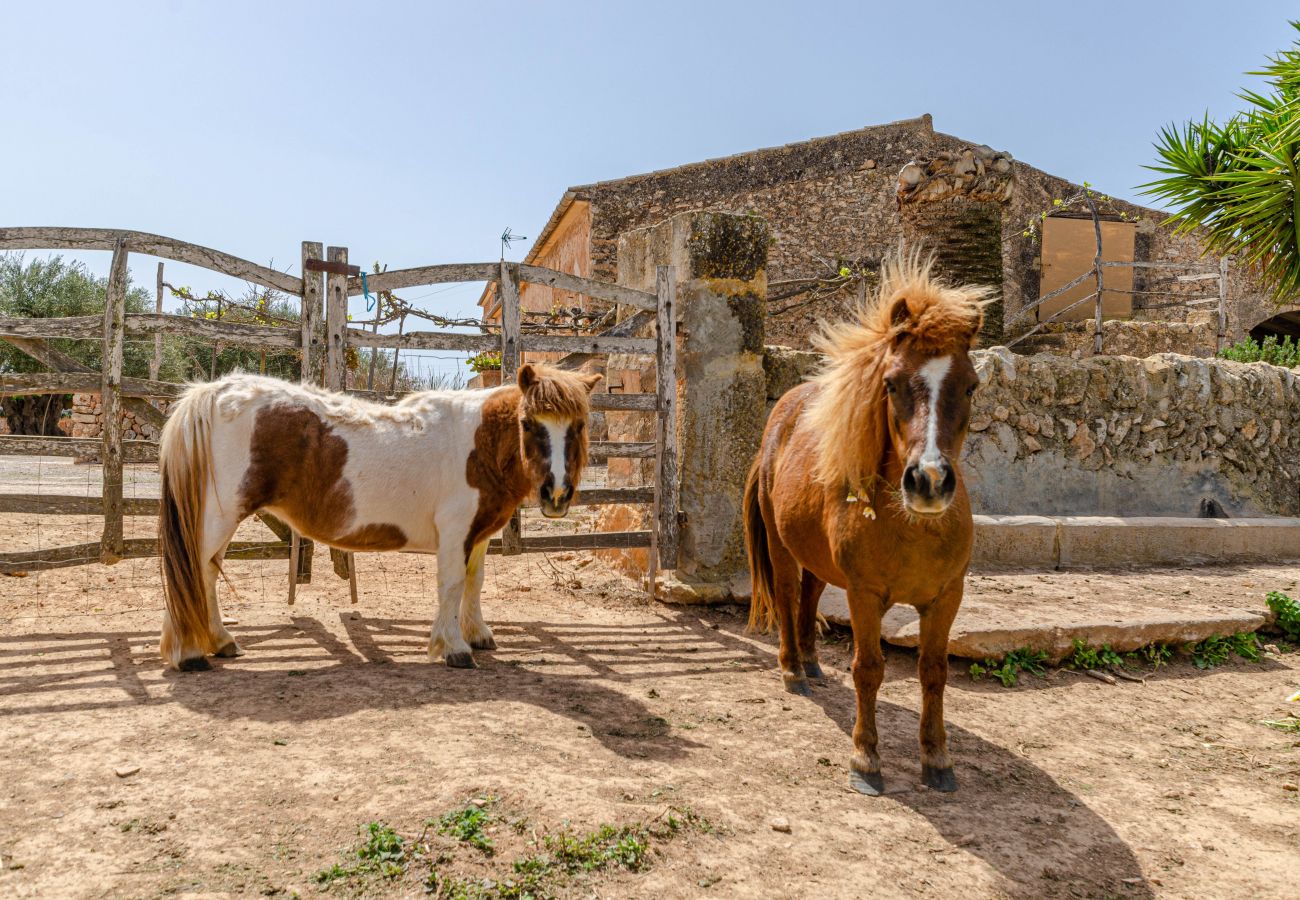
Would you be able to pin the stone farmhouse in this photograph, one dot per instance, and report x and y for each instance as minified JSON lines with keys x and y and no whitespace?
{"x":842,"y":202}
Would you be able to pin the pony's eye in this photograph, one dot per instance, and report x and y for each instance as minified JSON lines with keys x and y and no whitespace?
{"x":891,"y":388}
{"x":970,"y":391}
{"x":527,"y":424}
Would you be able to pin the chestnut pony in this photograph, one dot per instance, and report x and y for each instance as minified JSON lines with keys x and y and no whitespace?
{"x":439,"y":472}
{"x":857,"y":484}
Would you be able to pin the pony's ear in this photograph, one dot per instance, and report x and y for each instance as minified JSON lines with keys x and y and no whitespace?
{"x":591,"y":380}
{"x":527,"y":377}
{"x":900,"y":313}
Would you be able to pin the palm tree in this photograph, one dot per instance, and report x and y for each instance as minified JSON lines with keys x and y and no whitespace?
{"x":1240,"y":181}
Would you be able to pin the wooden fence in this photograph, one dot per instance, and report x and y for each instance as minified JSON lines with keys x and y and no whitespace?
{"x":322,"y":339}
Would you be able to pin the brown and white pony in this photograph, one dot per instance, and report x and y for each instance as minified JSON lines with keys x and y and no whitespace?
{"x":857,"y":484}
{"x":441,"y":471}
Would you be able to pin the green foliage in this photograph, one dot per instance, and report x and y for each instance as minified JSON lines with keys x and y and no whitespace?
{"x":56,"y":288}
{"x":1015,"y":662}
{"x":608,"y":845}
{"x":1155,"y":655}
{"x":1085,"y":657}
{"x":466,"y":825}
{"x":1240,"y":180}
{"x":1285,"y":354}
{"x":1287,"y":612}
{"x":383,"y":853}
{"x":256,"y":306}
{"x":1290,"y":726}
{"x":1218,"y":649}
{"x":485,"y":361}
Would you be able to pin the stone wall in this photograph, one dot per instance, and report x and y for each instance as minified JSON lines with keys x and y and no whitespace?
{"x":88,"y":419}
{"x":1114,"y":435}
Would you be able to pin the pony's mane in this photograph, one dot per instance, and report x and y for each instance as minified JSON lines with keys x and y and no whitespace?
{"x":848,"y":413}
{"x":557,"y":392}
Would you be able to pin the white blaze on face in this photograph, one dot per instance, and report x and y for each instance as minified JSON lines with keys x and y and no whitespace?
{"x":933,"y":374}
{"x":556,"y":430}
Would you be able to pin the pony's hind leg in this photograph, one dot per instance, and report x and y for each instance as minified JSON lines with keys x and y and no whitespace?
{"x":932,"y":665}
{"x":785,"y":587}
{"x":810,"y":591}
{"x":472,"y":626}
{"x":218,"y":529}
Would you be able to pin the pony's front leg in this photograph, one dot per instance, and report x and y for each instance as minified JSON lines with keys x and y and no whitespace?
{"x":472,"y":626}
{"x":445,"y":640}
{"x":932,"y":666}
{"x":866,"y":608}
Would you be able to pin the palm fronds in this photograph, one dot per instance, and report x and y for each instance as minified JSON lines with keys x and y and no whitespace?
{"x":1240,"y":180}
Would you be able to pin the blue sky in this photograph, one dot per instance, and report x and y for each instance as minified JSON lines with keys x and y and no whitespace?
{"x":415,"y":132}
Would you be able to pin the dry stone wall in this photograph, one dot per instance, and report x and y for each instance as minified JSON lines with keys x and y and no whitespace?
{"x":88,"y":419}
{"x":1118,"y":435}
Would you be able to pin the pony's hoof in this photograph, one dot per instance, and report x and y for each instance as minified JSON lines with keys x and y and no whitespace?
{"x":230,"y":651}
{"x":461,"y":661}
{"x":814,"y":670}
{"x":870,"y":783}
{"x":484,"y":643}
{"x":939,"y":779}
{"x":797,"y":685}
{"x":195,"y":664}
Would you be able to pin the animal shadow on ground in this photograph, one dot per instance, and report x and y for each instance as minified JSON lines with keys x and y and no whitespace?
{"x":303,"y":671}
{"x":1008,"y":812}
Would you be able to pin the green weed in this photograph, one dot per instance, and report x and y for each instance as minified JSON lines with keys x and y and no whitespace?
{"x":1290,"y":726}
{"x":467,"y":825}
{"x":1287,"y":612}
{"x":1085,"y":657}
{"x":1218,"y":649}
{"x":383,"y":852}
{"x":1015,"y":662}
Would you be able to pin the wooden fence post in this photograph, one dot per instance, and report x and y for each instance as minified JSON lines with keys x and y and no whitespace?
{"x":111,"y":545}
{"x":1097,"y":267}
{"x":336,"y":322}
{"x":155,"y":364}
{"x":313,"y":293}
{"x":666,"y":524}
{"x":312,"y":324}
{"x":336,"y":361}
{"x":508,"y":288}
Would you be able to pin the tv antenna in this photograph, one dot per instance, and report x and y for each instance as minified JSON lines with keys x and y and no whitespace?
{"x":508,"y":238}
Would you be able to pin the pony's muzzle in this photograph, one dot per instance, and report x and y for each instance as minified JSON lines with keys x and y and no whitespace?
{"x":928,"y":487}
{"x":554,"y":505}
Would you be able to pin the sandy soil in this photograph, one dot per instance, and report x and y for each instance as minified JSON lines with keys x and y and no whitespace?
{"x":603,"y":707}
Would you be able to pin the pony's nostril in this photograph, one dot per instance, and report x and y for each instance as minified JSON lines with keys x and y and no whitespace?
{"x":911,"y":476}
{"x":949,"y":481}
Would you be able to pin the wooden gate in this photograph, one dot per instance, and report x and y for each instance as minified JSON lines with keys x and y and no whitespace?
{"x":323,"y":339}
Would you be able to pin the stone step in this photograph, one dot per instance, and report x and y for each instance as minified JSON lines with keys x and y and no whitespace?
{"x":1055,"y":594}
{"x":1002,"y":613}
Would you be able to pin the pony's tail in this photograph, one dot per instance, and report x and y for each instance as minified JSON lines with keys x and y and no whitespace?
{"x":762,"y":611}
{"x":185,"y":462}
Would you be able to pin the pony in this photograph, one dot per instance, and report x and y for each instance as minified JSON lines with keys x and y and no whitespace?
{"x":439,"y":472}
{"x":857,"y":484}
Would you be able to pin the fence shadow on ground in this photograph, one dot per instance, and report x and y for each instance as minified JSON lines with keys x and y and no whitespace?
{"x":1009,"y":813}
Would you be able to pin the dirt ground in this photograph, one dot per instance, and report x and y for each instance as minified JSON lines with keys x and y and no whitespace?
{"x":120,"y":779}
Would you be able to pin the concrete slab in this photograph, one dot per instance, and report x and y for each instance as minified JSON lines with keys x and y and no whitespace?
{"x":1004,"y":612}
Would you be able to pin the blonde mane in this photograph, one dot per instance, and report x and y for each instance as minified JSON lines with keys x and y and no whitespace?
{"x":848,"y":413}
{"x":558,"y":392}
